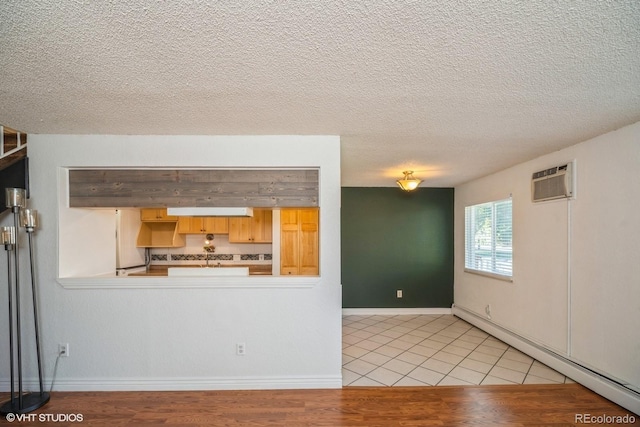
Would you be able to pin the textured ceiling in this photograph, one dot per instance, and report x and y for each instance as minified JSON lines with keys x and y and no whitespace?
{"x":452,"y":89}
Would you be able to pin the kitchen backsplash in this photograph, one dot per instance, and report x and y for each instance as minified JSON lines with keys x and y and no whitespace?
{"x":212,"y":257}
{"x":225,"y":252}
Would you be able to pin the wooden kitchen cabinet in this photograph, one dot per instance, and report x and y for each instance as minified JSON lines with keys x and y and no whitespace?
{"x":160,"y":234}
{"x":299,"y":242}
{"x":203,"y":225}
{"x":255,"y":229}
{"x":158,"y":230}
{"x":156,"y":214}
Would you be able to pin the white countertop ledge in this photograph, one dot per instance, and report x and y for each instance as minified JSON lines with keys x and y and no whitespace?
{"x":163,"y":282}
{"x":207,"y":272}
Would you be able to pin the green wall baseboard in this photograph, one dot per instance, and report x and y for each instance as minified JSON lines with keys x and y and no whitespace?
{"x":394,"y":311}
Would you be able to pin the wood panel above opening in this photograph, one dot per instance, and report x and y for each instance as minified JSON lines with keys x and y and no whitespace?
{"x":112,"y":188}
{"x":13,"y":146}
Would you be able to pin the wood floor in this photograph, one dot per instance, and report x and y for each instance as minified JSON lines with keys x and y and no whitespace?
{"x":504,"y":405}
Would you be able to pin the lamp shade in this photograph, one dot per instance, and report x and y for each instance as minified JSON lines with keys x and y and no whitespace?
{"x":15,"y":197}
{"x":29,"y":218}
{"x":408,"y":183}
{"x":8,"y":235}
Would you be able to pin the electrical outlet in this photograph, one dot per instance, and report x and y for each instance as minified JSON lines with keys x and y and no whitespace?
{"x":399,"y":293}
{"x":241,"y":349}
{"x":63,"y":349}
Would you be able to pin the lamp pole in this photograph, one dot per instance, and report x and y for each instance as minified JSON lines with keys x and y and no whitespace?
{"x":22,"y":402}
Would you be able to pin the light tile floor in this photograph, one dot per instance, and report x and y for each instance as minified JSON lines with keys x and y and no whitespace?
{"x":418,"y":350}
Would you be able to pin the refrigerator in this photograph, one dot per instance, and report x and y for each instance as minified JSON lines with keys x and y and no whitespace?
{"x":129,"y":258}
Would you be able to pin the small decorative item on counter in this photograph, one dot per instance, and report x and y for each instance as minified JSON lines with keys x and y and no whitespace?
{"x":208,"y":247}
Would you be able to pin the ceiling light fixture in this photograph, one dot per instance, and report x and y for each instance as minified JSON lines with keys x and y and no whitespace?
{"x":408,"y":183}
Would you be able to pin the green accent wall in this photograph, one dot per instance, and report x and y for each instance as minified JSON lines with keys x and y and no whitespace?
{"x":395,"y":240}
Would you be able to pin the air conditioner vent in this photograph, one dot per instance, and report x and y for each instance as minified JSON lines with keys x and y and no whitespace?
{"x":552,"y":183}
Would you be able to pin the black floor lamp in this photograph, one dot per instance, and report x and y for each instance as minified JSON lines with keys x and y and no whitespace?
{"x":20,"y":402}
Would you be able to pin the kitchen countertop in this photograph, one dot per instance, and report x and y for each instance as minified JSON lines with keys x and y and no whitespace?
{"x":162,"y":270}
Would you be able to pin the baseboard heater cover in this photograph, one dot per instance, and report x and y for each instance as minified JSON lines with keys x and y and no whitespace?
{"x":623,"y":396}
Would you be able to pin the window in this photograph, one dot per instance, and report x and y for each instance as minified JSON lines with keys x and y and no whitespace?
{"x":488,"y":238}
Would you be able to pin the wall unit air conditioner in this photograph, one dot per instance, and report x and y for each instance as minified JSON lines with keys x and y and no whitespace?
{"x":552,"y":183}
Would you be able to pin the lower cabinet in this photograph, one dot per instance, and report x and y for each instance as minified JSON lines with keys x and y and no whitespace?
{"x":299,"y":242}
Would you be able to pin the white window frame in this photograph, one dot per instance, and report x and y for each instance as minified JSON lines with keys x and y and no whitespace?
{"x":493,"y":263}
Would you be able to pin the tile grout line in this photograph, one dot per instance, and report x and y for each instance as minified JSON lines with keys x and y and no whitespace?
{"x":494,"y":365}
{"x":439,"y":350}
{"x":471,"y":369}
{"x":403,"y":351}
{"x":407,"y":350}
{"x":382,"y":324}
{"x":528,"y":370}
{"x":407,"y":375}
{"x":476,"y":347}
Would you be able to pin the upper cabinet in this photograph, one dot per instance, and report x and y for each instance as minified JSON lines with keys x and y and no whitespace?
{"x":160,"y":234}
{"x":203,"y":225}
{"x":156,"y":214}
{"x":158,"y":230}
{"x":255,"y":229}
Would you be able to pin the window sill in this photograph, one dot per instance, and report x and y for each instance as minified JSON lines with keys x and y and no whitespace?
{"x":252,"y":282}
{"x":491,"y":275}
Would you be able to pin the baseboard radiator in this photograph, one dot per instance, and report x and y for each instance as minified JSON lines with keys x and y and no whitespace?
{"x":618,"y":393}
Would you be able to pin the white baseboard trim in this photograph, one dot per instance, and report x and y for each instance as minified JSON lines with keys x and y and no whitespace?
{"x":180,"y":384}
{"x":605,"y":387}
{"x":393,"y":311}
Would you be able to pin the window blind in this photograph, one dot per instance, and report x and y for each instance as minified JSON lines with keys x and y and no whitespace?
{"x":488,"y":238}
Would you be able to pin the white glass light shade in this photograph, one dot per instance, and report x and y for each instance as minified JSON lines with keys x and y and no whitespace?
{"x":408,"y":183}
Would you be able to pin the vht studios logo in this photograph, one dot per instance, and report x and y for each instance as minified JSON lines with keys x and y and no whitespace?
{"x":45,"y":418}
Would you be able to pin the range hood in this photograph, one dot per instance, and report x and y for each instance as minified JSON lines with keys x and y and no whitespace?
{"x":210,"y":211}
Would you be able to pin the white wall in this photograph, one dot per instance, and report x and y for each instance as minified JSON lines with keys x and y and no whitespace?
{"x":184,"y":338}
{"x":576,"y":287}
